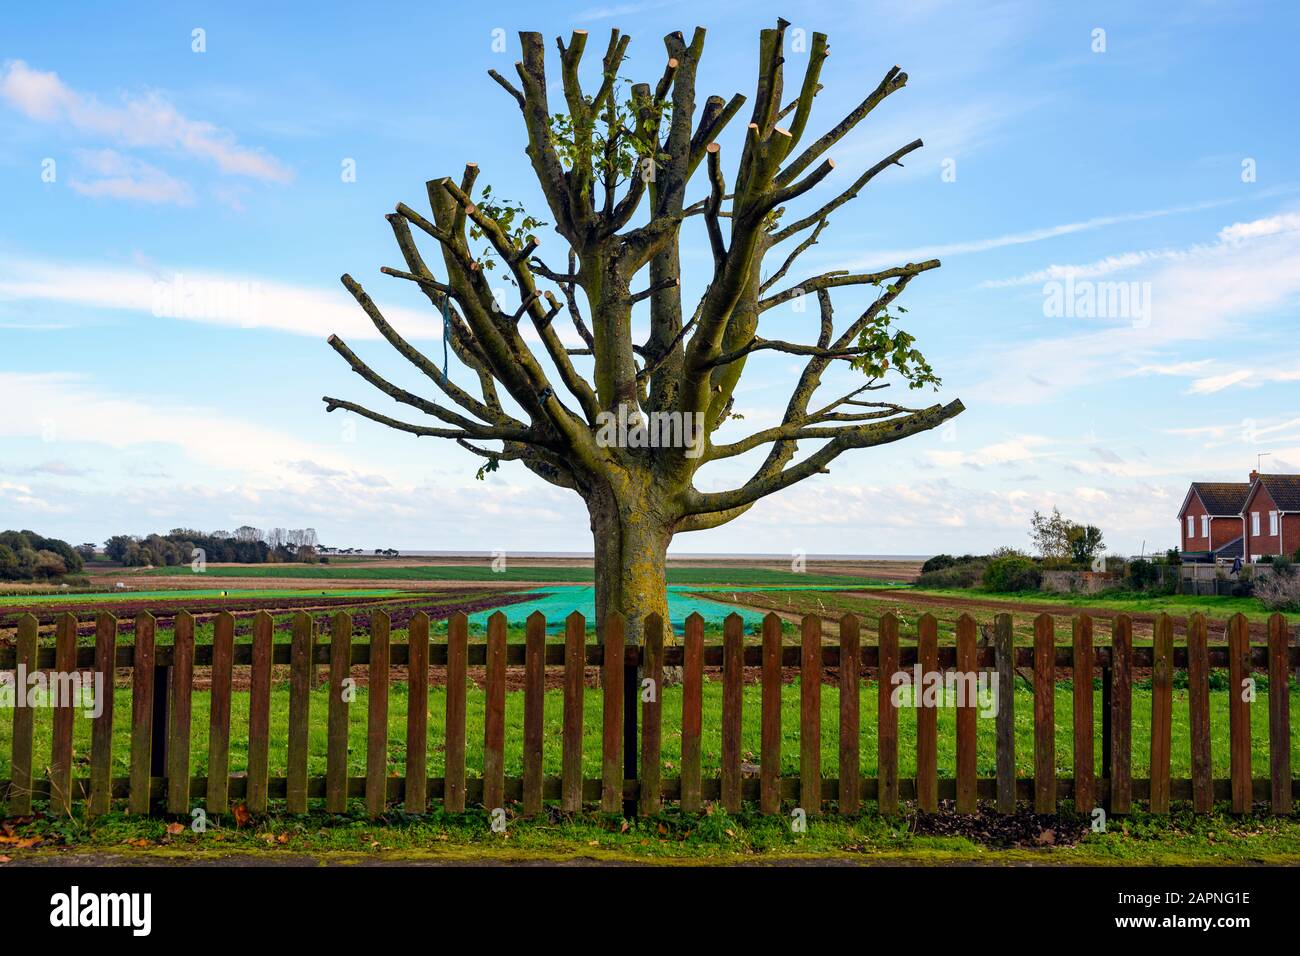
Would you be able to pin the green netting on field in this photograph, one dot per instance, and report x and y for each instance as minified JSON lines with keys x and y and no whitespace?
{"x":557,"y":603}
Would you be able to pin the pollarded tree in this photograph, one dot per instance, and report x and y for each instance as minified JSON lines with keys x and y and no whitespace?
{"x":557,"y":408}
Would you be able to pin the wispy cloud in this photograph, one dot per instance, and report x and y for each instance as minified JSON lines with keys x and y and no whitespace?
{"x":1027,"y":236}
{"x":123,"y":177}
{"x":242,"y":301}
{"x":146,"y":120}
{"x":1238,"y":232}
{"x":1202,"y":300}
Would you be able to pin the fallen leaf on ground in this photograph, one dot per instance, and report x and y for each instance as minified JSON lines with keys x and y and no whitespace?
{"x":175,"y":829}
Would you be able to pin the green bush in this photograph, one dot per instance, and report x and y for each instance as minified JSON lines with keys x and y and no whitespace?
{"x":967,"y":573}
{"x":1012,"y":573}
{"x":1142,"y":574}
{"x":938,"y":563}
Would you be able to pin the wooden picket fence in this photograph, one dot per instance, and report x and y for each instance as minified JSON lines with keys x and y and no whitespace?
{"x":159,"y":777}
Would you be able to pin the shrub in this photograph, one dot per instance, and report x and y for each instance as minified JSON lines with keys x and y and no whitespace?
{"x":1012,"y":573}
{"x":1279,"y":591}
{"x":938,"y":563}
{"x":1142,"y":574}
{"x":967,"y":573}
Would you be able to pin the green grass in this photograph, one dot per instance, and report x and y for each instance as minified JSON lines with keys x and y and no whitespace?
{"x":711,"y":747}
{"x":711,"y":837}
{"x":1135,"y":602}
{"x":714,"y":837}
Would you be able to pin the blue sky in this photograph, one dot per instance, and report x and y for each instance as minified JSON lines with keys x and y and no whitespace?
{"x":1165,"y":162}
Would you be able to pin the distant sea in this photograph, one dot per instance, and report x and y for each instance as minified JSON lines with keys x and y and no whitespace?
{"x":690,"y":555}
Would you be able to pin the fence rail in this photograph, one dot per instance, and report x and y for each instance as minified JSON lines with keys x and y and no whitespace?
{"x":632,"y":779}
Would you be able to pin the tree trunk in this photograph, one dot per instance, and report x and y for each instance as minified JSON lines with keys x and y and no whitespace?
{"x":631,"y":548}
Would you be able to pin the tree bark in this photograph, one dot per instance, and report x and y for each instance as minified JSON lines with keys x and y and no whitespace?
{"x":631,"y":549}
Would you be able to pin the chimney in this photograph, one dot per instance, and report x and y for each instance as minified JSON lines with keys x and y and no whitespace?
{"x":1253,"y":475}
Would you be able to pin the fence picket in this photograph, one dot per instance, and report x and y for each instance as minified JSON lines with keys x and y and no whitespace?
{"x":1081,"y":676}
{"x":733,"y":664}
{"x":1279,"y":714}
{"x":178,"y":714}
{"x":65,"y":662}
{"x":416,"y":796}
{"x":1162,"y":710}
{"x":494,"y":722}
{"x":652,"y":670}
{"x":534,"y":715}
{"x":223,"y":656}
{"x":300,"y":680}
{"x":887,"y":717}
{"x":850,"y":720}
{"x":575,"y":656}
{"x":927,"y":718}
{"x":769,"y":760}
{"x":336,"y":727}
{"x":1005,"y":729}
{"x":646,"y":781}
{"x":20,"y":785}
{"x":1121,"y":715}
{"x":611,"y":680}
{"x":101,"y":741}
{"x":1239,"y":712}
{"x":377,"y":714}
{"x":259,"y":713}
{"x":692,"y":712}
{"x":967,"y":714}
{"x":1044,"y":714}
{"x":1198,"y":695}
{"x":453,"y":797}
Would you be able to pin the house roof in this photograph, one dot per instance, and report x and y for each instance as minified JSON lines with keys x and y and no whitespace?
{"x":1233,"y":549}
{"x":1225,"y":497}
{"x":1283,"y":489}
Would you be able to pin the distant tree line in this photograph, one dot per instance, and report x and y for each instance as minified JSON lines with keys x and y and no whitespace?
{"x":246,"y":545}
{"x":28,"y":556}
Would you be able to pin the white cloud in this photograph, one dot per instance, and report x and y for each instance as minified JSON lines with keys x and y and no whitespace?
{"x":1021,"y":448}
{"x":146,"y":120}
{"x":124,"y":177}
{"x":1128,"y":261}
{"x":244,"y":301}
{"x":1205,"y":300}
{"x":894,"y":256}
{"x":63,"y":408}
{"x":1217,"y":383}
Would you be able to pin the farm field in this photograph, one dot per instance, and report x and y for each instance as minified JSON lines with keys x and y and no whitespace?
{"x":910,"y":603}
{"x":515,"y":573}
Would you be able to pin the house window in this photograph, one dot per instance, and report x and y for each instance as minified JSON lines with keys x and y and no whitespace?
{"x":1254,"y":522}
{"x":1205,"y":526}
{"x":1272,"y":522}
{"x":1191,"y":526}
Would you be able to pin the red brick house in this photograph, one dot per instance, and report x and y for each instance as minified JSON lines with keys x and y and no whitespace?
{"x":1271,"y":516}
{"x":1210,"y":520}
{"x":1226,"y":520}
